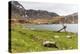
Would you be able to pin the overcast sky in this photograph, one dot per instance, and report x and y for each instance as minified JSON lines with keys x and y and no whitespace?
{"x":61,"y":9}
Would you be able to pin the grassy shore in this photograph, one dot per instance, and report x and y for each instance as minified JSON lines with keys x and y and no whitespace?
{"x":27,"y":40}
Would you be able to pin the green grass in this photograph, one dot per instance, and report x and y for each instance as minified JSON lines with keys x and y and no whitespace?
{"x":27,"y":40}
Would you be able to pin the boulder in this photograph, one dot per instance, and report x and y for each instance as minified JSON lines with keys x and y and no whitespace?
{"x":50,"y":44}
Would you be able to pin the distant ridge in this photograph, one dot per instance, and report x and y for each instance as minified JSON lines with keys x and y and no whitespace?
{"x":17,"y":8}
{"x":40,"y":16}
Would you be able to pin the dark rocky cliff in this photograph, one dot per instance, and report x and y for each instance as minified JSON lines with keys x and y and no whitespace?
{"x":40,"y":14}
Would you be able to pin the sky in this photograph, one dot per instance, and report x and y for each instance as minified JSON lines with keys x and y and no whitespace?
{"x":59,"y":8}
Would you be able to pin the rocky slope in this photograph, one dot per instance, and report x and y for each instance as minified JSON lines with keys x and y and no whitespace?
{"x":72,"y":18}
{"x":17,"y":8}
{"x":40,"y":16}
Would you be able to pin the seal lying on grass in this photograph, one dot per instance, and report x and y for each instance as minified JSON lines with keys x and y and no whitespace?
{"x":49,"y":44}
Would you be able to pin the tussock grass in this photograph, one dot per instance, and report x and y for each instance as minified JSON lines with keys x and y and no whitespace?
{"x":26,"y":40}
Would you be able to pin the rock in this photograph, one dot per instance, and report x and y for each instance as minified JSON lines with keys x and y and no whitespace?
{"x":50,"y":44}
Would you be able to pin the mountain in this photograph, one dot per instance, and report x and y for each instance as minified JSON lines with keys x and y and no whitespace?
{"x":18,"y":9}
{"x":72,"y":18}
{"x":40,"y":14}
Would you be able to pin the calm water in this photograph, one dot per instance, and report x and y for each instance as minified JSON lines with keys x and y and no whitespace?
{"x":55,"y":27}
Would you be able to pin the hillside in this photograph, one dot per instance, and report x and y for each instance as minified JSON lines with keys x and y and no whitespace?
{"x":72,"y":18}
{"x":39,"y":16}
{"x":18,"y":9}
{"x":28,"y":40}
